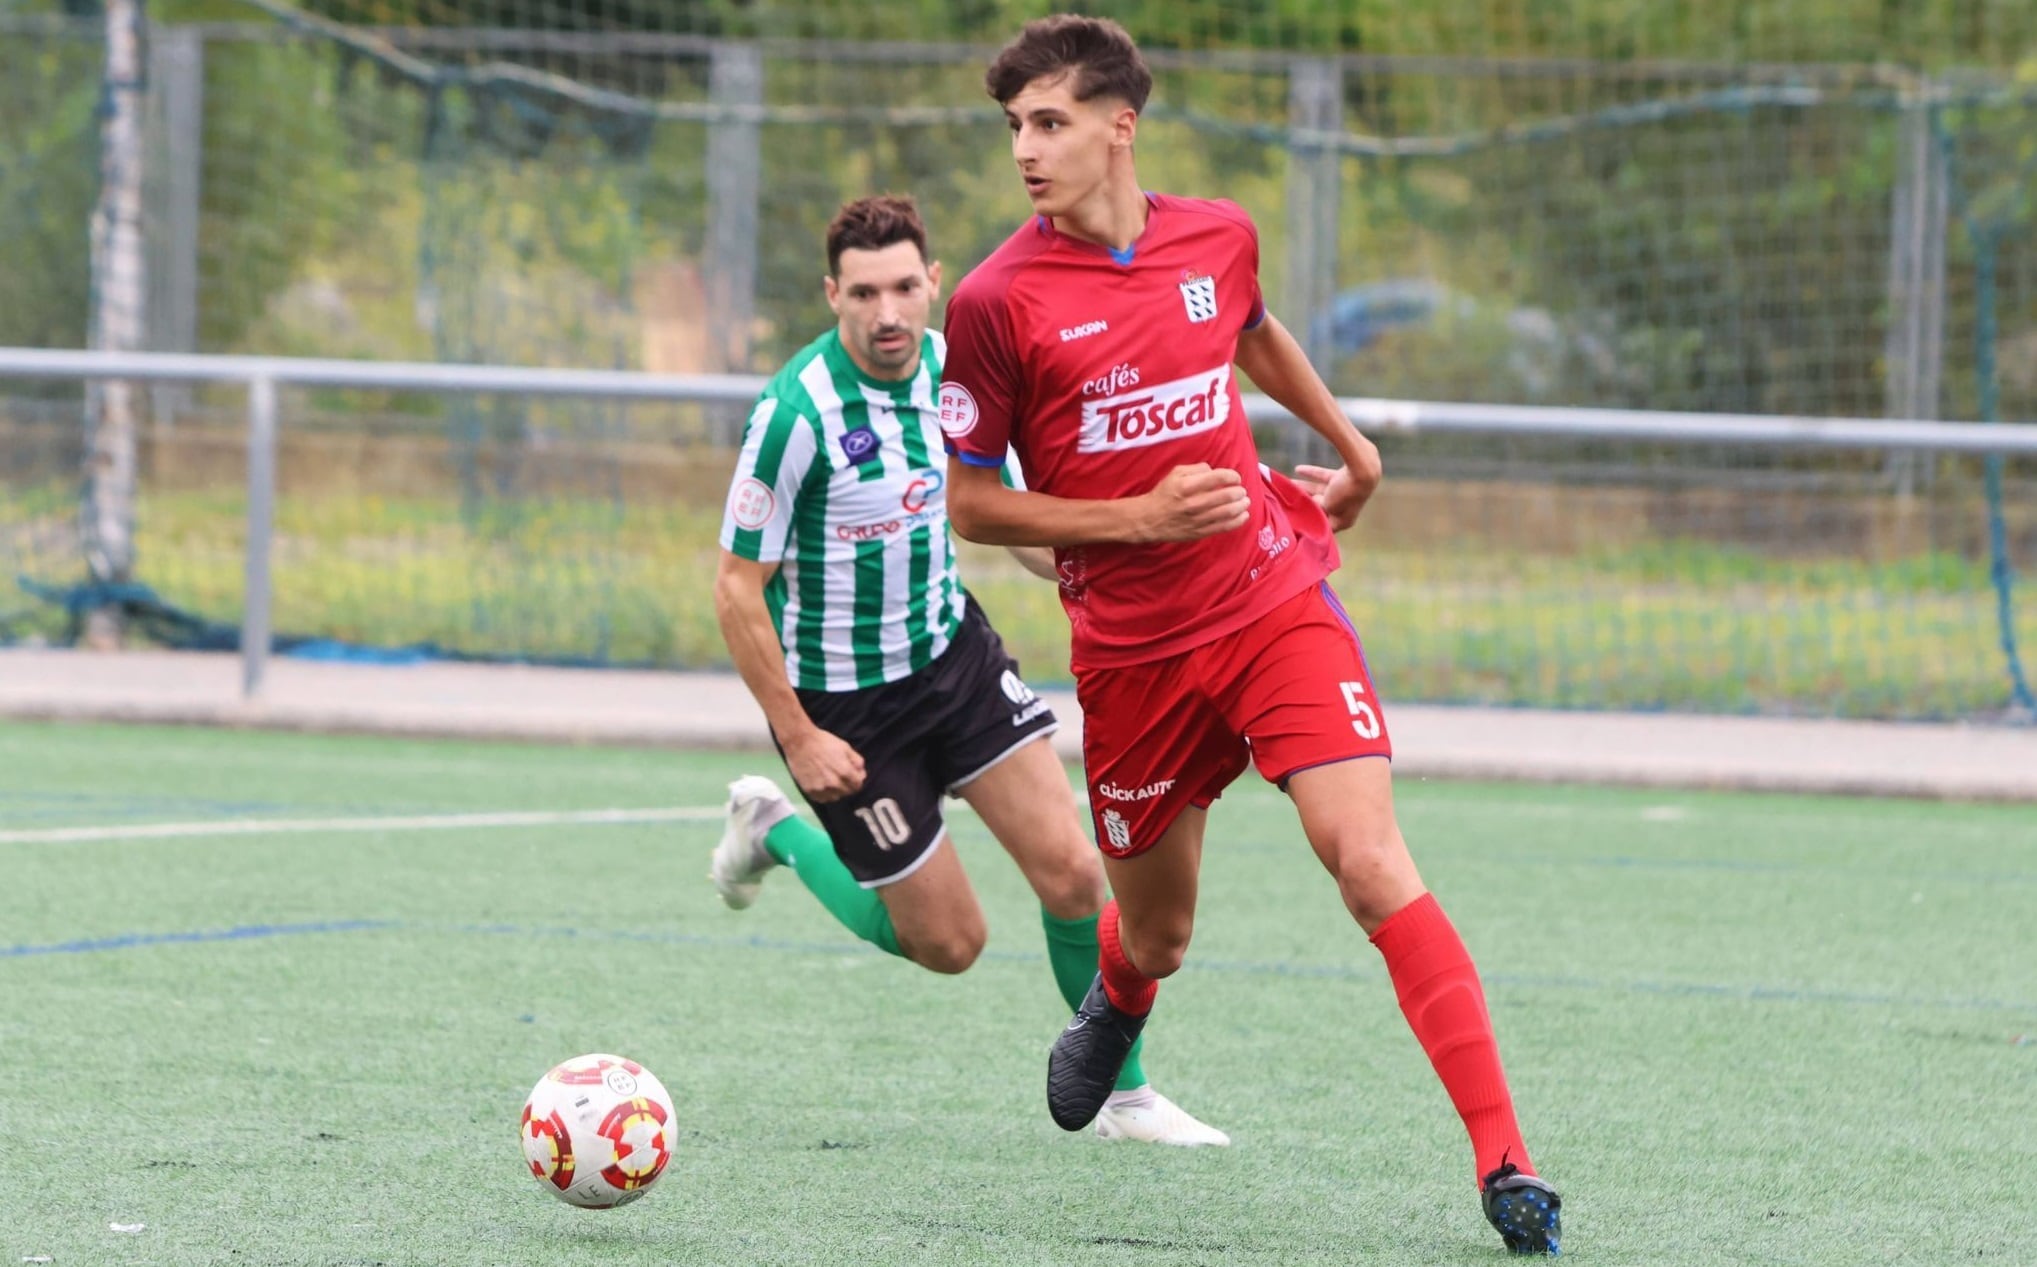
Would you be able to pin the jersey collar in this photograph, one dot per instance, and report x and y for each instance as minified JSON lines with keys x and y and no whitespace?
{"x":1124,"y":258}
{"x":899,"y":389}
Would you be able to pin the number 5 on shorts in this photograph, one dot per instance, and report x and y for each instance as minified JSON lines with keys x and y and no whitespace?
{"x":1363,"y":719}
{"x":886,"y":823}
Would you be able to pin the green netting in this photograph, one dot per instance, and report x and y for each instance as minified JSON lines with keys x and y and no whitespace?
{"x":1468,"y":202}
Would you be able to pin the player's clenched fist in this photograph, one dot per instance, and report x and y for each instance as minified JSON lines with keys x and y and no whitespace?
{"x":1340,"y":493}
{"x":1194,"y":502}
{"x":825,"y":767}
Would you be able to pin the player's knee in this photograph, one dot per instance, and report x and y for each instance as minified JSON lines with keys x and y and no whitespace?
{"x":947,"y":952}
{"x":1071,"y":887}
{"x":1157,"y":949}
{"x":1375,"y":876}
{"x":1161,"y":959}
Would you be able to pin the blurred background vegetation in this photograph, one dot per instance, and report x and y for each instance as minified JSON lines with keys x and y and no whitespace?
{"x":1742,"y":206}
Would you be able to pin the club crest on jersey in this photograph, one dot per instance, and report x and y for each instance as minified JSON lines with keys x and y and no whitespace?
{"x":859,"y":444}
{"x":1116,"y":830}
{"x":1199,"y":295}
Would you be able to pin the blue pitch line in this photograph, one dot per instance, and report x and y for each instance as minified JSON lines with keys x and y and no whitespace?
{"x":1228,"y":967}
{"x":244,"y":932}
{"x":752,"y":942}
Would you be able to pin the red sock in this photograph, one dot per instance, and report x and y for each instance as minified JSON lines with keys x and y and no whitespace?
{"x":1129,"y":989}
{"x":1439,"y":994}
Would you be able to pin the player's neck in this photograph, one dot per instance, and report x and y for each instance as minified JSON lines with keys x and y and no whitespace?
{"x":1114,"y":216}
{"x":871,"y":371}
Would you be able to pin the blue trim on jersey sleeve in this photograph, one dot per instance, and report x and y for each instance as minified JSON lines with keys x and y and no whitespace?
{"x":1258,"y":317}
{"x":973,"y":459}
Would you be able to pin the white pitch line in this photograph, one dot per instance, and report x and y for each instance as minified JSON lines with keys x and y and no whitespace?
{"x":416,"y":822}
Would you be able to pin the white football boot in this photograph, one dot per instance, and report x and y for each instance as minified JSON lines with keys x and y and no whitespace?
{"x":1145,"y":1115}
{"x":756,"y":805}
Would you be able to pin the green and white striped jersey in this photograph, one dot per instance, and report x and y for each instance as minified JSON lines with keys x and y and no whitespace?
{"x":841,"y":483}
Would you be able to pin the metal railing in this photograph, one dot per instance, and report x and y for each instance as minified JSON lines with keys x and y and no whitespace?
{"x":263,"y":376}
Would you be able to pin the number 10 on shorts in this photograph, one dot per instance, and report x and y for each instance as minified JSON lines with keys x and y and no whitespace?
{"x":1364,"y":719}
{"x":886,"y":823}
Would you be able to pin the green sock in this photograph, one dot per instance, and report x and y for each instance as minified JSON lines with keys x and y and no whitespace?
{"x":807,"y":850}
{"x":1071,"y":950}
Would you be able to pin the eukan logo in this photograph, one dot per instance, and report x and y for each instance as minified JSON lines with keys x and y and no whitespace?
{"x":1084,"y":330}
{"x":1167,"y":411}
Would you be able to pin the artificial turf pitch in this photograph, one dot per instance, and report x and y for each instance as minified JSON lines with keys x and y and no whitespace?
{"x":1740,"y":1029}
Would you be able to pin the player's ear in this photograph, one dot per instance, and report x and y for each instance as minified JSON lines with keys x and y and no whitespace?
{"x":1124,"y":127}
{"x":933,"y":279}
{"x":833,"y":289}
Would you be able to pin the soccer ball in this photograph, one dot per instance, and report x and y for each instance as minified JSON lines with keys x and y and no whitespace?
{"x":597,"y":1131}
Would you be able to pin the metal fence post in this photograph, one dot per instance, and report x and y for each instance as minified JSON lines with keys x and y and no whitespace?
{"x":177,"y":107}
{"x":1919,"y":220}
{"x":258,"y":595}
{"x":1315,"y":104}
{"x":735,"y":163}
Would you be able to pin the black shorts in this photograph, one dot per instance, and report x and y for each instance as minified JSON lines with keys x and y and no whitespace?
{"x":919,"y":737}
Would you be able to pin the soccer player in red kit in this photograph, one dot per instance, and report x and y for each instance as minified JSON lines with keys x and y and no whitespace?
{"x":1098,"y":343}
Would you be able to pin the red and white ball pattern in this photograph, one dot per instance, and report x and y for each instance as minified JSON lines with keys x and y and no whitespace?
{"x":597,"y":1131}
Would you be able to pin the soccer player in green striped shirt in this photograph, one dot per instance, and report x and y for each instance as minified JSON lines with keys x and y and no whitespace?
{"x":884,"y":685}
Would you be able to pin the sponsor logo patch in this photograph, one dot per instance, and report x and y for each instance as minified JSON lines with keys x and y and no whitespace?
{"x":924,"y":487}
{"x":1084,"y":330}
{"x":887,"y":527}
{"x":1112,"y":792}
{"x":859,"y":444}
{"x":1120,"y":377}
{"x":1274,"y":548}
{"x":1153,"y":415}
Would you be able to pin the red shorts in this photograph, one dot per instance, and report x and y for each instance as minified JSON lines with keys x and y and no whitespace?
{"x":1286,"y":692}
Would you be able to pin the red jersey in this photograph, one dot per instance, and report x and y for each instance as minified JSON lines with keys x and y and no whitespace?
{"x":1105,"y":370}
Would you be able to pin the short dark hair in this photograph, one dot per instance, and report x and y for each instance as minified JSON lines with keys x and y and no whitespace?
{"x":1100,"y":52}
{"x":871,"y":224}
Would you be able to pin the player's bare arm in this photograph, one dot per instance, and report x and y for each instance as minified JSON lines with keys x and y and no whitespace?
{"x":1276,"y":364}
{"x":820,"y":762}
{"x":1190,"y":503}
{"x":1039,"y":560}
